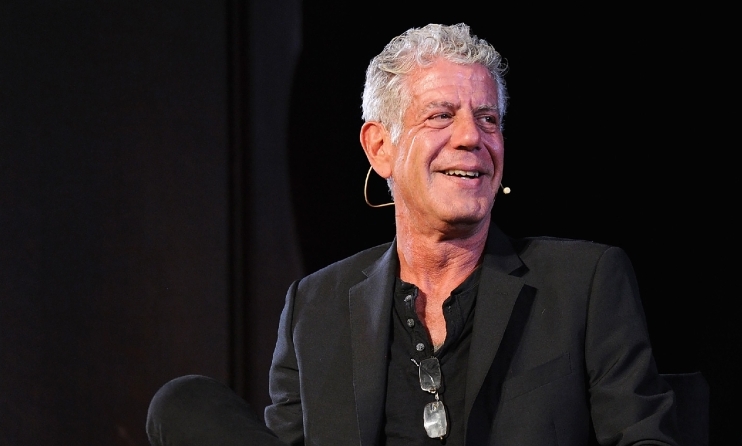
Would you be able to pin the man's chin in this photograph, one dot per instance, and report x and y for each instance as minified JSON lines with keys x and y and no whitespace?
{"x":467,"y":215}
{"x":468,"y":222}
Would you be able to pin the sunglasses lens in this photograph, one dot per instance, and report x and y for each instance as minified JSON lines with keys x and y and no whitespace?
{"x":434,"y":419}
{"x":430,"y":375}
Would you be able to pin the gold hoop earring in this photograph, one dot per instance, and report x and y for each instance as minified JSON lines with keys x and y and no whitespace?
{"x":365,"y":194}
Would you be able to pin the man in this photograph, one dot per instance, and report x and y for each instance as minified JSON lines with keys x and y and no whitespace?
{"x":454,"y":333}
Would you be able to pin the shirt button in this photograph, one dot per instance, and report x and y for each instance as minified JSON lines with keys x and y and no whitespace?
{"x":420,"y":347}
{"x":410,"y":322}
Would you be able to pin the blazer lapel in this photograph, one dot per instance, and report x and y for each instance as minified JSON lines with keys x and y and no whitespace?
{"x":498,"y":292}
{"x":370,"y":303}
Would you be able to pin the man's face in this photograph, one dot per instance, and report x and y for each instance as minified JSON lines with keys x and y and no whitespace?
{"x":448,"y":164}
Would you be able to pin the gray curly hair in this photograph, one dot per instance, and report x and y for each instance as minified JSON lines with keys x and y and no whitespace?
{"x":384,"y":95}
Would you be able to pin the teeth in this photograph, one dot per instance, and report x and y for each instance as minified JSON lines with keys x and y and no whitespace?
{"x":462,"y":173}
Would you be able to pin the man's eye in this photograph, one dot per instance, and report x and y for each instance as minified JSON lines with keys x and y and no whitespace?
{"x":489,"y":123}
{"x":441,"y":116}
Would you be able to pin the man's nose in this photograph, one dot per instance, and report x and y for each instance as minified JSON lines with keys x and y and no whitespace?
{"x":466,"y":133}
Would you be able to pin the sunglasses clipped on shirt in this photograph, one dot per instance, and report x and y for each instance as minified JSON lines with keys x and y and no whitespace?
{"x":434,"y":414}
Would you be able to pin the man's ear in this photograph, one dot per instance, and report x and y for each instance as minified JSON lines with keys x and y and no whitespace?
{"x":377,"y":144}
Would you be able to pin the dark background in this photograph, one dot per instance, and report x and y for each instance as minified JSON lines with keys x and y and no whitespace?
{"x":166,"y":170}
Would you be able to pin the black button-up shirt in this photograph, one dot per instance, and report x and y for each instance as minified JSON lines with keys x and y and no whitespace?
{"x":405,"y":400}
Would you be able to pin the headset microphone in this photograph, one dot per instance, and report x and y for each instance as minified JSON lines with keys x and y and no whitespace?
{"x":505,"y":190}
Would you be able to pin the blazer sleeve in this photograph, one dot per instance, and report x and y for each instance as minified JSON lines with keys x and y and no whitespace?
{"x":630,"y":403}
{"x":284,"y":415}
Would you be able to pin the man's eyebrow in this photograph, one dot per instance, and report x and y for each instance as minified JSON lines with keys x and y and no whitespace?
{"x":486,"y":108}
{"x":439,"y":104}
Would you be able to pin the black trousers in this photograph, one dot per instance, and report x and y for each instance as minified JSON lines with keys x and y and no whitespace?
{"x":196,"y":410}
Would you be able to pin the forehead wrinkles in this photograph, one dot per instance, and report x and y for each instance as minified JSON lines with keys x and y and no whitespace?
{"x":448,"y":91}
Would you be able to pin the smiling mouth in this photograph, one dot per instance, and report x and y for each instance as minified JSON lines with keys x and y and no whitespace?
{"x":461,"y":173}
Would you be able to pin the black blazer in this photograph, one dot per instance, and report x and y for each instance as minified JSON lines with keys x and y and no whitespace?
{"x":560,"y":353}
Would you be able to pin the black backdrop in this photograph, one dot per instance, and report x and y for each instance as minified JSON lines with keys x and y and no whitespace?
{"x":168,"y":169}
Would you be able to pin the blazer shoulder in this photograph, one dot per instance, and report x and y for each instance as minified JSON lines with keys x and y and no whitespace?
{"x":559,"y":243}
{"x":561,"y":248}
{"x":349,"y":269}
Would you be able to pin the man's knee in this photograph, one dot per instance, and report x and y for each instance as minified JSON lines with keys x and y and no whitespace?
{"x":183,"y":397}
{"x":195,"y":409}
{"x":177,"y":405}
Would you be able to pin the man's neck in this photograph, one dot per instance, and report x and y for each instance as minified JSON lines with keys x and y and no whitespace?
{"x":437,"y":262}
